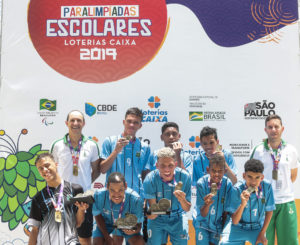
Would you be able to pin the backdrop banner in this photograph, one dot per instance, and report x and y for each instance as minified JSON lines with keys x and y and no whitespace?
{"x":225,"y":64}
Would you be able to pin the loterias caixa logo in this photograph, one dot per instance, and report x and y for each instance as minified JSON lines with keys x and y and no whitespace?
{"x":97,"y":41}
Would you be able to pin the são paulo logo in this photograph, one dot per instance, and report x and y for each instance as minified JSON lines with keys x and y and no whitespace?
{"x":97,"y":41}
{"x":154,"y":114}
{"x":259,"y":110}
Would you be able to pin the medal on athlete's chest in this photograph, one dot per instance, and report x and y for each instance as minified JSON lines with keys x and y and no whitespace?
{"x":75,"y":153}
{"x":58,"y":206}
{"x":275,"y":174}
{"x":75,"y":170}
{"x":58,"y":216}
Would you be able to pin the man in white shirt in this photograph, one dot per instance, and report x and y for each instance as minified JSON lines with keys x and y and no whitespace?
{"x":281,"y":166}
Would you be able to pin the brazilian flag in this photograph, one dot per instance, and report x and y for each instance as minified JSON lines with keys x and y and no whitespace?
{"x":46,"y":104}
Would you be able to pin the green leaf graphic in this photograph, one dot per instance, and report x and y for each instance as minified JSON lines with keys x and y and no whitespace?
{"x":3,"y":202}
{"x":13,"y":203}
{"x":13,"y":224}
{"x":1,"y":192}
{"x":11,"y":161}
{"x":9,"y":189}
{"x":22,"y":196}
{"x":19,"y":213}
{"x":20,"y":183}
{"x":40,"y":184}
{"x":24,"y":156}
{"x":1,"y":177}
{"x":33,"y":150}
{"x":36,"y":173}
{"x":23,"y":169}
{"x":32,"y":191}
{"x":2,"y":163}
{"x":7,"y":215}
{"x":10,"y":176}
{"x":24,"y":219}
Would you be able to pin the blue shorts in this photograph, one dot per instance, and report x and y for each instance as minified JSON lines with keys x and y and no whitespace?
{"x":114,"y":231}
{"x":205,"y":236}
{"x":239,"y":236}
{"x":175,"y":226}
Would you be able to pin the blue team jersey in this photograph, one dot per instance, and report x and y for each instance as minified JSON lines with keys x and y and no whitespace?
{"x":186,"y":158}
{"x":155,"y":188}
{"x":213,"y":220}
{"x":133,"y":204}
{"x":131,"y":161}
{"x":201,"y":162}
{"x":254,"y":213}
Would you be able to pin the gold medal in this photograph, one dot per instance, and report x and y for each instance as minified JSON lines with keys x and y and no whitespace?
{"x":75,"y":170}
{"x":251,"y":189}
{"x":57,"y":216}
{"x":219,"y":148}
{"x":214,"y":189}
{"x":275,"y":174}
{"x":178,"y":186}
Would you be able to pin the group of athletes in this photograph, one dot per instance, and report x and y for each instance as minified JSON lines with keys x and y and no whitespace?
{"x":151,"y":191}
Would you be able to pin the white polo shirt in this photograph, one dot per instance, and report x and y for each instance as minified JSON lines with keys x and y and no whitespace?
{"x":89,"y":153}
{"x":283,"y":187}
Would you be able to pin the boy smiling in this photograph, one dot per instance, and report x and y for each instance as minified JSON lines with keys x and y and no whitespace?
{"x":209,"y":217}
{"x":252,"y":205}
{"x":160,"y":184}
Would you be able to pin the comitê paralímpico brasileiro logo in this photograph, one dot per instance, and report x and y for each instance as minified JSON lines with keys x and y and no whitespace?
{"x":97,"y":41}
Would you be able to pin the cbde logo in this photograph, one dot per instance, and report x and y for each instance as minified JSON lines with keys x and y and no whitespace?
{"x":194,"y":143}
{"x":91,"y":110}
{"x":154,"y":114}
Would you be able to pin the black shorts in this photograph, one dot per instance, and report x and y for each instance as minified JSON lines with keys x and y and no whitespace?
{"x":86,"y":228}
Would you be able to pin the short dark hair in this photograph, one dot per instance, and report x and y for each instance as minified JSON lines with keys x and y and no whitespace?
{"x":134,"y":111}
{"x":115,"y":177}
{"x":68,"y":116}
{"x":169,"y":125}
{"x":218,"y":160}
{"x":44,"y":155}
{"x":271,"y":117}
{"x":254,"y":165}
{"x":207,"y":131}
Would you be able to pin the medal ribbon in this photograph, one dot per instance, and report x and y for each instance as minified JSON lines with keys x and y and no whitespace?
{"x":171,"y":183}
{"x":75,"y":153}
{"x":275,"y":157}
{"x":58,"y":205}
{"x":120,"y":211}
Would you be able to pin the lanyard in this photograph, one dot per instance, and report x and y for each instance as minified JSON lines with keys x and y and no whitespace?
{"x":171,"y":183}
{"x":75,"y":153}
{"x":120,"y":211}
{"x":58,"y":205}
{"x":275,"y":157}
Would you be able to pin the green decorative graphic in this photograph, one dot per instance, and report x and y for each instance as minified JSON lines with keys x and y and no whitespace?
{"x":19,"y":180}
